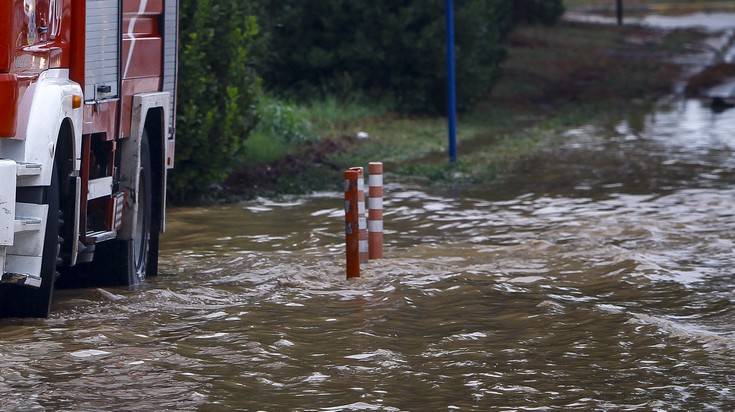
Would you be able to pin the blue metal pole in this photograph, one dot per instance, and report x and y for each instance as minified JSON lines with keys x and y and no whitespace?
{"x":451,"y":83}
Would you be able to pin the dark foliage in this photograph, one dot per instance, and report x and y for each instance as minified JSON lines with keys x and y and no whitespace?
{"x":537,"y":11}
{"x":385,"y":48}
{"x":218,"y":90}
{"x":388,"y":49}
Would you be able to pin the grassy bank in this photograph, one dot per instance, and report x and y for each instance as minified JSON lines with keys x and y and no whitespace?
{"x":554,"y":78}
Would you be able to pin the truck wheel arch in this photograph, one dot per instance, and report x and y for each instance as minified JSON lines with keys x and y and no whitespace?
{"x":47,"y":112}
{"x":154,"y":125}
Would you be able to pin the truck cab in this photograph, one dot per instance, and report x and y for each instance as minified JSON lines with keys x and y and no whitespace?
{"x":87,"y":136}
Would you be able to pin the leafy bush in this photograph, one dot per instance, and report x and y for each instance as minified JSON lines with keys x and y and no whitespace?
{"x":384,"y":47}
{"x":283,"y":121}
{"x":218,"y":90}
{"x":537,"y":11}
{"x":282,"y":126}
{"x":285,"y":124}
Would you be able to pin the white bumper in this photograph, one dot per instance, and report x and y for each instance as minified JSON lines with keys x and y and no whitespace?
{"x":22,"y":226}
{"x":8,"y":176}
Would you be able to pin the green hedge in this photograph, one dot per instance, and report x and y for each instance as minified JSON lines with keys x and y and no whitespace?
{"x":393,"y":48}
{"x":218,"y":90}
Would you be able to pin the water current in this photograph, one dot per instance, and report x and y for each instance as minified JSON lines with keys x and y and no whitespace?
{"x":597,"y":276}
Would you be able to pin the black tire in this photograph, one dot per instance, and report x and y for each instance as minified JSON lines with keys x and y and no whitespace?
{"x":28,"y":302}
{"x":142,"y":235}
{"x":128,"y":262}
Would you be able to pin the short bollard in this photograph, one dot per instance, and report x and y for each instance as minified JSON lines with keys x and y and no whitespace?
{"x":352,"y":232}
{"x":375,"y":210}
{"x":362,"y":214}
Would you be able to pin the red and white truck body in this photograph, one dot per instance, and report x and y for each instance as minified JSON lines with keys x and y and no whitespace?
{"x":87,"y":102}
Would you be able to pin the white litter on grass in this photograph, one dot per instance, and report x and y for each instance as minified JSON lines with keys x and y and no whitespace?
{"x":363,"y":135}
{"x":88,"y":353}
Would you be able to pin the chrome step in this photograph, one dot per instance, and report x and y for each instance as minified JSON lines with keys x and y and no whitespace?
{"x":29,"y":169}
{"x":27,"y":224}
{"x":21,"y":279}
{"x":100,"y":236}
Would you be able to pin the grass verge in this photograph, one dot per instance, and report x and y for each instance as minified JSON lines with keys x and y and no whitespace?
{"x":555,"y":78}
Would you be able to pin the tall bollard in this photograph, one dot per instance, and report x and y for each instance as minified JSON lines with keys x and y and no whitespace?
{"x":375,"y":210}
{"x":352,"y":233}
{"x":362,"y":214}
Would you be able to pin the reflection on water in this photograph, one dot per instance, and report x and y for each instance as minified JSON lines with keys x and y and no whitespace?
{"x":600,"y":276}
{"x":711,"y":21}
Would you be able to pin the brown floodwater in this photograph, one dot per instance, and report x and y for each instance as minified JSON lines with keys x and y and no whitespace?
{"x":597,"y":276}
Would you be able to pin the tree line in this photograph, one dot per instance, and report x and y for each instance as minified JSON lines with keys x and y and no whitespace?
{"x":232,"y":52}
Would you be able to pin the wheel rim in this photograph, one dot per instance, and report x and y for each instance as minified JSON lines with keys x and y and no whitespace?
{"x":141,"y":237}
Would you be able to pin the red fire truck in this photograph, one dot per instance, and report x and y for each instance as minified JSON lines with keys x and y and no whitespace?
{"x":87,"y":99}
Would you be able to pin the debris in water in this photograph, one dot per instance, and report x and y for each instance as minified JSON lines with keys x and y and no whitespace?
{"x":110,"y":296}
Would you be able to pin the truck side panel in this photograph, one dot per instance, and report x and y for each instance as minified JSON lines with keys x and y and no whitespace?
{"x":101,"y":52}
{"x":142,"y":53}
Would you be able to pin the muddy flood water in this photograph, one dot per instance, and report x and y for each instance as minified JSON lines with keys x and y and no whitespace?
{"x":598,"y":276}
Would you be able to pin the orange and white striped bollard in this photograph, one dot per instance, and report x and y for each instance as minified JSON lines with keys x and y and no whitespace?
{"x":362,"y":214}
{"x":352,"y":233}
{"x":375,"y":210}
